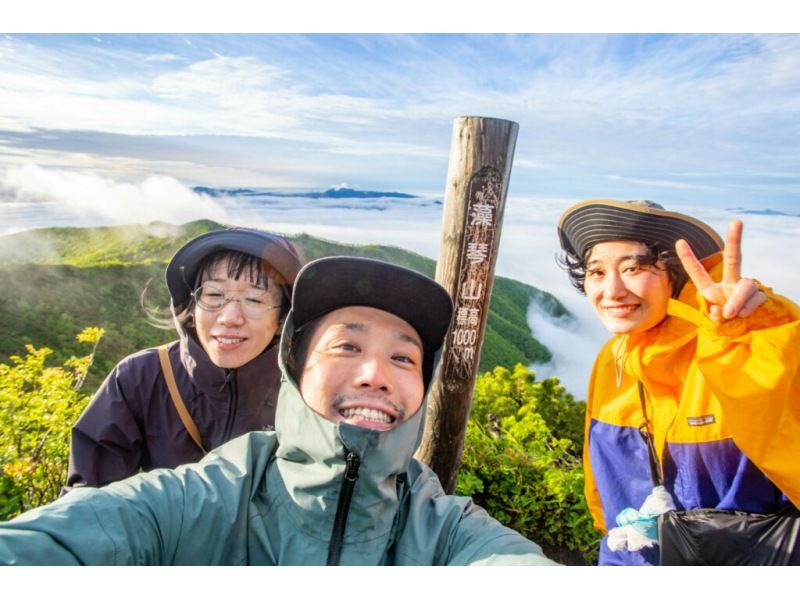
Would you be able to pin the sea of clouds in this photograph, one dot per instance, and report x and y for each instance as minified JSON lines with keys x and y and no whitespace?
{"x":31,"y":197}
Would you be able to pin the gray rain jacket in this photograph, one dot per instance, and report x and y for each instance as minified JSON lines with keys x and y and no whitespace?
{"x":274,"y":498}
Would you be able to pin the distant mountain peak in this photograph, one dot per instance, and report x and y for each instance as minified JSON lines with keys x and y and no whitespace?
{"x":761,"y":212}
{"x":338,"y":192}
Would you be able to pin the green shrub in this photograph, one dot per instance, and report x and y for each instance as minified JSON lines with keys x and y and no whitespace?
{"x":519,"y":464}
{"x":39,"y":406}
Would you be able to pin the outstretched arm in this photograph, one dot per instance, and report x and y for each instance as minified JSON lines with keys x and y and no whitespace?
{"x":196,"y":514}
{"x":443,"y":529}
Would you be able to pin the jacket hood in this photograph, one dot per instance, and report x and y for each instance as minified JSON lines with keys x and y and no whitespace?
{"x":184,"y":266}
{"x":311,"y":458}
{"x":252,"y":377}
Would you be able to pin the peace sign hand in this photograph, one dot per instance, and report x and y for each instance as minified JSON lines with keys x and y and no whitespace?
{"x":734,"y":296}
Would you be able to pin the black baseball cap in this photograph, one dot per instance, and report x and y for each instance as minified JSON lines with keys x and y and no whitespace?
{"x":184,"y":267}
{"x":331,"y":283}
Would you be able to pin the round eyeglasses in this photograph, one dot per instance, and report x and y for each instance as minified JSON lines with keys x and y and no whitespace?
{"x":254,"y":304}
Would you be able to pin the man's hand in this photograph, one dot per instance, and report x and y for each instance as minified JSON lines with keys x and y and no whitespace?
{"x":734,"y":296}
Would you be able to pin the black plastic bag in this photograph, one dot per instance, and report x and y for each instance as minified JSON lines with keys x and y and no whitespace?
{"x":719,"y":537}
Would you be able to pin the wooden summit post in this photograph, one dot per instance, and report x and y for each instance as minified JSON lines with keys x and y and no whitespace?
{"x":481,"y":153}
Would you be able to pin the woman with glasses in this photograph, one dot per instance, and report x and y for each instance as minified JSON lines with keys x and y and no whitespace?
{"x":230,"y":291}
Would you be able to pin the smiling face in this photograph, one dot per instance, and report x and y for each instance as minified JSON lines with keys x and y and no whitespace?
{"x":364,"y":367}
{"x":628,"y":294}
{"x":230,"y":338}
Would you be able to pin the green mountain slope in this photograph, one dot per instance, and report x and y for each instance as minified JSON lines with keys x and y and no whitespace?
{"x":59,"y":280}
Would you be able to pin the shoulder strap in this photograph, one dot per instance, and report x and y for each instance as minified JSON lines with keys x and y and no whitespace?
{"x":169,"y":376}
{"x":644,"y":431}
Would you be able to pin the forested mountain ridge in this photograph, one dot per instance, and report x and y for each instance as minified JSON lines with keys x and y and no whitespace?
{"x":60,"y":280}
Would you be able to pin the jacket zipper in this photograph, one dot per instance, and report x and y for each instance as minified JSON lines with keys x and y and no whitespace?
{"x":343,"y":508}
{"x":233,"y":393}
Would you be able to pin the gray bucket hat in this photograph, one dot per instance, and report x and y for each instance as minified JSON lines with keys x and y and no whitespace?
{"x":331,"y":283}
{"x":182,"y":270}
{"x":596,"y":220}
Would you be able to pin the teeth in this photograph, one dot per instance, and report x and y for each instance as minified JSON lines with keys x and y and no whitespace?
{"x":365,"y":414}
{"x":229,"y":341}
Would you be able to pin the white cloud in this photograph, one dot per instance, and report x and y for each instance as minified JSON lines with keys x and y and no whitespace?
{"x":528,"y":163}
{"x":527,"y":249}
{"x":163,"y":58}
{"x":234,"y":96}
{"x":657,"y":183}
{"x":638,"y":106}
{"x":218,"y":79}
{"x":102,"y":200}
{"x":573,"y":344}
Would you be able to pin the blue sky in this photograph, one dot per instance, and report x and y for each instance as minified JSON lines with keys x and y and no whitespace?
{"x":712,"y":119}
{"x":114,"y":128}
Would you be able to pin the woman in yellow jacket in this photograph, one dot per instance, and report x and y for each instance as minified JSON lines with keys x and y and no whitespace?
{"x":703,"y":363}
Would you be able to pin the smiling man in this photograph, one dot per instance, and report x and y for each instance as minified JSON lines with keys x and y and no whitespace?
{"x":365,"y":368}
{"x":336,"y":483}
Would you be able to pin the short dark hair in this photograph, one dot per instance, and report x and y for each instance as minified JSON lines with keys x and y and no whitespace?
{"x":297,"y":350}
{"x":239,"y":263}
{"x":655,"y":252}
{"x":257,"y":269}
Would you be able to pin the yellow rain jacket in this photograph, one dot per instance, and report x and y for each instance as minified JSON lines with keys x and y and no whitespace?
{"x":723,"y":400}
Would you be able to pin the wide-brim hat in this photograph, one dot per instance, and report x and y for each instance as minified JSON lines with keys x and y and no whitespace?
{"x":596,"y":220}
{"x":184,"y":267}
{"x":331,"y":283}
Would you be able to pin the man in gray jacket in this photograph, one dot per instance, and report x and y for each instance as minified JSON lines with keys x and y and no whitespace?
{"x":336,"y":482}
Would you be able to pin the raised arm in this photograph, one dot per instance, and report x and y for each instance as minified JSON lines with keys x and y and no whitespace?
{"x":733,"y":296}
{"x":750,"y":359}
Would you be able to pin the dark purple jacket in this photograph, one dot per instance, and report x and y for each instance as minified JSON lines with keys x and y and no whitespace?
{"x":132,"y":424}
